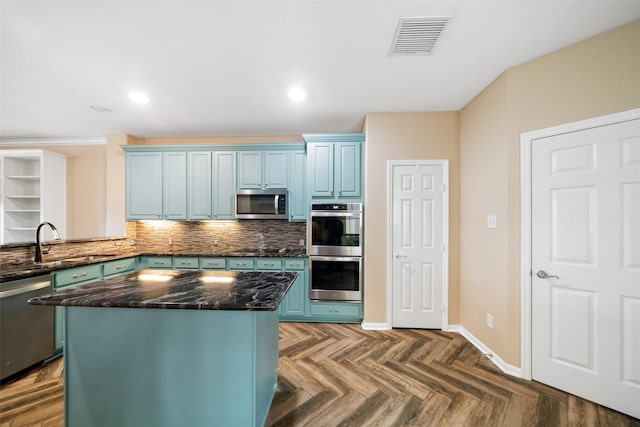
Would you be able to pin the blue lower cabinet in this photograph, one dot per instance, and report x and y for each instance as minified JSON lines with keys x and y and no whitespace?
{"x":213,"y":263}
{"x":268,"y":264}
{"x":83,"y":275}
{"x":119,"y":266}
{"x":241,"y":264}
{"x":185,"y":263}
{"x":294,"y":305}
{"x":156,"y":262}
{"x":71,"y":277}
{"x":336,"y":312}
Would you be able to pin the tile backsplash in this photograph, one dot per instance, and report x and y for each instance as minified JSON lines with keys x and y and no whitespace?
{"x":173,"y":237}
{"x":24,"y":253}
{"x":201,"y":237}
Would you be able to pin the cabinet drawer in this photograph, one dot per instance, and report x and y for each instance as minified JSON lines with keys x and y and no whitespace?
{"x":75,"y":275}
{"x":293,"y":264}
{"x":213,"y":263}
{"x":158,"y":262}
{"x":119,"y":266}
{"x":320,"y":309}
{"x":241,"y":264}
{"x":185,"y":263}
{"x":269,"y":264}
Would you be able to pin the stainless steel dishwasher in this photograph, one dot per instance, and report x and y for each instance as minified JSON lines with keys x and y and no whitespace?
{"x":26,"y":331}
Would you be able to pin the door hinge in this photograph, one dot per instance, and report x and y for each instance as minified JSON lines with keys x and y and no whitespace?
{"x":444,"y":187}
{"x":444,"y":248}
{"x":443,"y":308}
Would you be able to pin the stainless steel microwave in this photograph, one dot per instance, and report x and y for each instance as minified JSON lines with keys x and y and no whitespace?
{"x":262,"y":204}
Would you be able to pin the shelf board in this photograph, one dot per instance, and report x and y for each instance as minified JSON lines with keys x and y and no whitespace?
{"x":22,"y":197}
{"x":21,"y":228}
{"x":24,"y":177}
{"x":22,"y":210}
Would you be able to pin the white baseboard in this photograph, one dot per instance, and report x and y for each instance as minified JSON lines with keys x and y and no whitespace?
{"x":501,"y":364}
{"x":376,"y":326}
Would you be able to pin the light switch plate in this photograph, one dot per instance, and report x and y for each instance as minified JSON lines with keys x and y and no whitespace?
{"x":492,"y":221}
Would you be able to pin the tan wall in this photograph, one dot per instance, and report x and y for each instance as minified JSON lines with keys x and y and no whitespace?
{"x":400,"y":136}
{"x":596,"y":77}
{"x":484,"y":182}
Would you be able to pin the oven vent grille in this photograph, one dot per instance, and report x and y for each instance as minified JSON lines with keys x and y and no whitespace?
{"x":417,"y":35}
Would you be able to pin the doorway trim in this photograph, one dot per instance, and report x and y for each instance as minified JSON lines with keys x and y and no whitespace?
{"x":445,"y":235}
{"x":526,"y":141}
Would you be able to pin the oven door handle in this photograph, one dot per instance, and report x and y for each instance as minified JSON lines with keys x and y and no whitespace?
{"x":335,"y":214}
{"x":336,"y":258}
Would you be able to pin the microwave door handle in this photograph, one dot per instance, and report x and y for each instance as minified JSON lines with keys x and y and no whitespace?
{"x":275,"y":204}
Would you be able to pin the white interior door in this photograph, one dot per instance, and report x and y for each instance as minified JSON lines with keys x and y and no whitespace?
{"x":418,"y":227}
{"x":586,"y":231}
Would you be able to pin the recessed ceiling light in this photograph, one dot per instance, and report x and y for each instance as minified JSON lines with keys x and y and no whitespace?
{"x":100,"y":108}
{"x":138,"y":97}
{"x":297,"y":94}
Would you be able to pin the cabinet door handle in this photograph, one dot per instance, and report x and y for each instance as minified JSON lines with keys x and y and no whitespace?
{"x":75,"y":276}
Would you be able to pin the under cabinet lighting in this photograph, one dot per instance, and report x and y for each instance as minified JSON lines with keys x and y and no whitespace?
{"x":147,"y":277}
{"x":217,"y":279}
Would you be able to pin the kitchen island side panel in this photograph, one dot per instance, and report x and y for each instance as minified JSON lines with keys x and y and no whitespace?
{"x":134,"y":367}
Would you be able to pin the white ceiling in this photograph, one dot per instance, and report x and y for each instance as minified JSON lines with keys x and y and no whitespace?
{"x":223,"y":68}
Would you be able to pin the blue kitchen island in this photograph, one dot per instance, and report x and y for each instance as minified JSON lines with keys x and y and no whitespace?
{"x":171,"y":348}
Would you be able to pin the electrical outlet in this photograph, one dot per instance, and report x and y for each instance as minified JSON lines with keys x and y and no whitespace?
{"x":215,"y":242}
{"x":489,"y":321}
{"x":302,"y":242}
{"x":492,"y":221}
{"x":118,"y":243}
{"x":170,"y":241}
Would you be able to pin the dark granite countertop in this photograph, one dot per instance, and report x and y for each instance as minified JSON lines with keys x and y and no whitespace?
{"x":179,"y":289}
{"x":16,"y":271}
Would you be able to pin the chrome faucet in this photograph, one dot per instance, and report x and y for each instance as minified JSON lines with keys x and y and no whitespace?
{"x":56,"y":236}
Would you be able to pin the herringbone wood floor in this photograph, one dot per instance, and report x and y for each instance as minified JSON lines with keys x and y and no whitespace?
{"x":341,"y":375}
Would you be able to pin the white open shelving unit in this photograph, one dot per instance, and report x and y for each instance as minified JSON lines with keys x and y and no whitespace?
{"x":32,"y":190}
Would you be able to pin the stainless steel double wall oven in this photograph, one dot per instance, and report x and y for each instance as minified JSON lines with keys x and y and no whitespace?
{"x":335,"y":260}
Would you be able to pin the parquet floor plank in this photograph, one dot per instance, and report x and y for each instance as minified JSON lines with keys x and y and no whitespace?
{"x":341,"y":375}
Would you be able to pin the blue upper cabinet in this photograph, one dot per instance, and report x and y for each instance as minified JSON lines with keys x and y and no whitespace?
{"x":334,"y":166}
{"x":199,"y":186}
{"x":224,"y":184}
{"x":347,"y":165}
{"x":198,"y":182}
{"x":174,"y":183}
{"x":276,"y":168}
{"x":144,"y":185}
{"x":320,"y":169}
{"x":262,"y":169}
{"x":250,"y":169}
{"x":297,"y":185}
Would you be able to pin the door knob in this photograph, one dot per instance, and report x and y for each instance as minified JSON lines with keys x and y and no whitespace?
{"x":543,"y":275}
{"x":400,"y":256}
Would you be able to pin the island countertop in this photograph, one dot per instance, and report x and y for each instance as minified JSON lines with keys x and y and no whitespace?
{"x":179,"y":289}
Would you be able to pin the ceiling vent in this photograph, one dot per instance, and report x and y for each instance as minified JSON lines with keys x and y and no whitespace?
{"x":417,"y":35}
